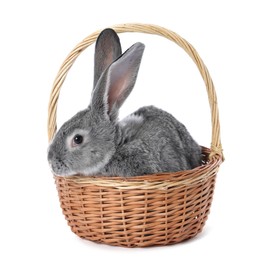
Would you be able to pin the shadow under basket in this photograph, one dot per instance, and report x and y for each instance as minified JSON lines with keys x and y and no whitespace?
{"x":156,"y":209}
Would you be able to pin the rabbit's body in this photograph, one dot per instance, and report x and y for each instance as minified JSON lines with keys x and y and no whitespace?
{"x":150,"y":141}
{"x":94,"y":142}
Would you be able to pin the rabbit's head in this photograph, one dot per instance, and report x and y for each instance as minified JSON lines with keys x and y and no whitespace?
{"x":85,"y":143}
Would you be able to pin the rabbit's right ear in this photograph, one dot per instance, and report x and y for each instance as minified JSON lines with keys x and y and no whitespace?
{"x":107,"y":50}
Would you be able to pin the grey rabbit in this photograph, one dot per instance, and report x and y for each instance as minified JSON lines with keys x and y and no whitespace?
{"x":94,"y":142}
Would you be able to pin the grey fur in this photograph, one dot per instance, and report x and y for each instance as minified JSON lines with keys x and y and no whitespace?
{"x":148,"y":141}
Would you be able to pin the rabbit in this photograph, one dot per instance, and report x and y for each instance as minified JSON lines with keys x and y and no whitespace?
{"x":95,"y":143}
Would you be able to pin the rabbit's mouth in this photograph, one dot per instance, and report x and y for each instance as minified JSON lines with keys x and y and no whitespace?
{"x":59,"y":168}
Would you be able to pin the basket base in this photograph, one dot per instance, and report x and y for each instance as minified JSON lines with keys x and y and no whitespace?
{"x":149,"y":240}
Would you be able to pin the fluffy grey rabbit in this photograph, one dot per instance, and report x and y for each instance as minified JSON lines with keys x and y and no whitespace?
{"x":94,"y":142}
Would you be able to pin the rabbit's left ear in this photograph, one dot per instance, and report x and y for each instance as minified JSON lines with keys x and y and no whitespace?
{"x":107,"y":49}
{"x":117,"y":82}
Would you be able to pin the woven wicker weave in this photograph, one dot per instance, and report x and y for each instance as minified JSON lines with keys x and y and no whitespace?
{"x":157,"y":209}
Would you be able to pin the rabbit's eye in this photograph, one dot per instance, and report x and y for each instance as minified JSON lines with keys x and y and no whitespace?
{"x":78,"y":139}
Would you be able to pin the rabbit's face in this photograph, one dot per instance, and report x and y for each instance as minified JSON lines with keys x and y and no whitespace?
{"x":84,"y":145}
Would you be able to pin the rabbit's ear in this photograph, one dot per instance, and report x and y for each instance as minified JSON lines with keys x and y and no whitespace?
{"x":107,"y":49}
{"x":117,"y":82}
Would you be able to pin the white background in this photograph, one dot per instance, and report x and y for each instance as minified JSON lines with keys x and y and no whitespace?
{"x":236,"y":41}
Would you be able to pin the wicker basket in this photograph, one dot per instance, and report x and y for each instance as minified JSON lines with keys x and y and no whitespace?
{"x":157,"y":209}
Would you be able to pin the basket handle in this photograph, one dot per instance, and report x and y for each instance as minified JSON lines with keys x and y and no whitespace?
{"x":216,"y":147}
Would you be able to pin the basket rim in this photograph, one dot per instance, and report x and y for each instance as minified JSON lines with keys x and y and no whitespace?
{"x":164,"y":180}
{"x":216,"y":146}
